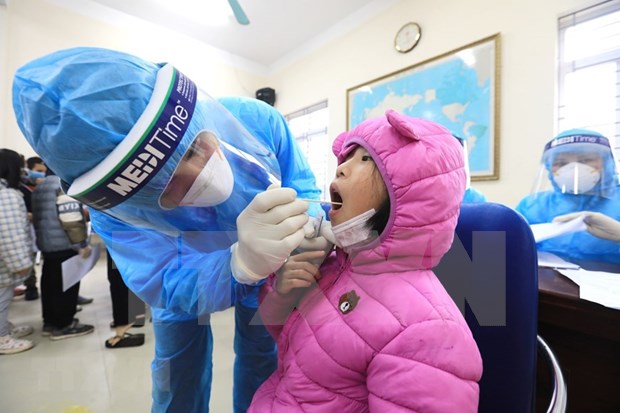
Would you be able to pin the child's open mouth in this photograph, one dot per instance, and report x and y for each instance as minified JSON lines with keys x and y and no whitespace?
{"x":335,"y":197}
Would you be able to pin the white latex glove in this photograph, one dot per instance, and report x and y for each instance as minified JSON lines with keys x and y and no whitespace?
{"x":313,"y":239}
{"x":327,"y":233}
{"x":311,"y":228}
{"x":268,"y":229}
{"x":597,"y":224}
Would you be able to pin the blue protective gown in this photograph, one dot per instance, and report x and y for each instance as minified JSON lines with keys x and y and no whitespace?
{"x":187,"y":277}
{"x":543,"y":207}
{"x":604,"y":197}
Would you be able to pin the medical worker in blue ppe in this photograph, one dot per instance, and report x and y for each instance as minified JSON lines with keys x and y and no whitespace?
{"x":471,"y":194}
{"x":177,"y":187}
{"x":578,"y":178}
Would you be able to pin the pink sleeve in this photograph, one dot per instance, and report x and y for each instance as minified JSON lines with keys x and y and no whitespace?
{"x":274,"y":308}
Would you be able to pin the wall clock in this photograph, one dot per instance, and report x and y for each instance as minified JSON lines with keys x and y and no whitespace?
{"x":407,"y":37}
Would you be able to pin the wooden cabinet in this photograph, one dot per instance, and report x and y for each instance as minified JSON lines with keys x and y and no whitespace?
{"x":585,"y":337}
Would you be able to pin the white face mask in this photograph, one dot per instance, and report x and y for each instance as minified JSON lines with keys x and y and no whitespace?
{"x":576,"y":178}
{"x":212,"y":186}
{"x":353,"y":231}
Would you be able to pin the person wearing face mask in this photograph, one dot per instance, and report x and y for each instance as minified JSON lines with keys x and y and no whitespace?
{"x":36,"y":169}
{"x":35,"y":173}
{"x":32,"y":174}
{"x":373,"y":329}
{"x":578,"y":177}
{"x":15,"y":250}
{"x":195,"y":198}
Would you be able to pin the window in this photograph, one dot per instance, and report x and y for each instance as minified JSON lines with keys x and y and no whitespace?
{"x":589,"y":71}
{"x":309,"y":127}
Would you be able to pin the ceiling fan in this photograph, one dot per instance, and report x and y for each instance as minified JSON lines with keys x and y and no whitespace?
{"x":238,"y":11}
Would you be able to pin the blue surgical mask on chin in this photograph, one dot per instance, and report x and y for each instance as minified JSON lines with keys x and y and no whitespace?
{"x":33,"y":175}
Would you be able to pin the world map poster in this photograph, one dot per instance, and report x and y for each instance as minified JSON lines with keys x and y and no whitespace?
{"x":459,"y":90}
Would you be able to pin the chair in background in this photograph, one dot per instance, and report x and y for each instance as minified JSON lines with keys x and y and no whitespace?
{"x":491,"y":272}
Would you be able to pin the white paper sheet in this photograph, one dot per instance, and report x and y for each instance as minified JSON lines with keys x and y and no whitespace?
{"x":547,"y":259}
{"x":596,"y":286}
{"x":553,"y":229}
{"x":75,"y":268}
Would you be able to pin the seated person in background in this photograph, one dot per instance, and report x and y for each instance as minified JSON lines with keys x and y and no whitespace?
{"x":471,"y":194}
{"x":578,"y":177}
{"x":379,"y":332}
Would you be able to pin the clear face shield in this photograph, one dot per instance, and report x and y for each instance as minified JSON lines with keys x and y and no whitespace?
{"x":187,"y":164}
{"x":578,"y":165}
{"x":202,"y":178}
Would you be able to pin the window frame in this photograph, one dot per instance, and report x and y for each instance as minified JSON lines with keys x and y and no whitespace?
{"x":309,"y":134}
{"x":565,"y":68}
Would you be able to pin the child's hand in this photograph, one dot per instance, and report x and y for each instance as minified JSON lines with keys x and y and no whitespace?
{"x":299,"y":271}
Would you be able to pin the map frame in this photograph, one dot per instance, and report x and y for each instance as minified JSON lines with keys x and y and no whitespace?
{"x":488,"y":53}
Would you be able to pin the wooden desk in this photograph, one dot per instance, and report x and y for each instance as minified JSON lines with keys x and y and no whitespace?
{"x":586,"y":339}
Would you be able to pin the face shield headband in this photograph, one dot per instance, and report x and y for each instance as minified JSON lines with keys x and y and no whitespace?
{"x":186,"y":151}
{"x":579,"y":165}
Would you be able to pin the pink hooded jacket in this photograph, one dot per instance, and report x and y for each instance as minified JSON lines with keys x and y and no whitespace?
{"x":380,"y":333}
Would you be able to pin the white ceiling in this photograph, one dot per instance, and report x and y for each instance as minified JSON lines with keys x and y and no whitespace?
{"x":280,"y":31}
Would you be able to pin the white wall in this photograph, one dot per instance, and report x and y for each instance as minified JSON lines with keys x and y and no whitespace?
{"x":32,"y":28}
{"x":528,"y":71}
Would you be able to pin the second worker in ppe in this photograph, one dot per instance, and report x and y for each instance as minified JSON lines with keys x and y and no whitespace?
{"x":578,"y":177}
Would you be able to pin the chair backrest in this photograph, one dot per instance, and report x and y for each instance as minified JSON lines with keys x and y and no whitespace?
{"x":491,"y":272}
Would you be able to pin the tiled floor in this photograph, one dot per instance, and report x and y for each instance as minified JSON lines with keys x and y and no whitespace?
{"x":80,"y":375}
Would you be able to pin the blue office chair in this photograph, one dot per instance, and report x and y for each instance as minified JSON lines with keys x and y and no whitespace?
{"x":491,"y":272}
{"x":326,"y":209}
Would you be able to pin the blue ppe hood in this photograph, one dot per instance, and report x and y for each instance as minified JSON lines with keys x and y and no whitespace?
{"x":115,"y":127}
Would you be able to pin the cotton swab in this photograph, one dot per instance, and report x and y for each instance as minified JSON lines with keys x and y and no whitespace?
{"x":320,"y":201}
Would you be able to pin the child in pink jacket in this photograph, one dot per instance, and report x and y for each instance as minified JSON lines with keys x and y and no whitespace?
{"x":374,"y":330}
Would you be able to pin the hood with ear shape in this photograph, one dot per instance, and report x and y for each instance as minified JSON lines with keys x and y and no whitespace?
{"x":401,"y":124}
{"x":423,"y":169}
